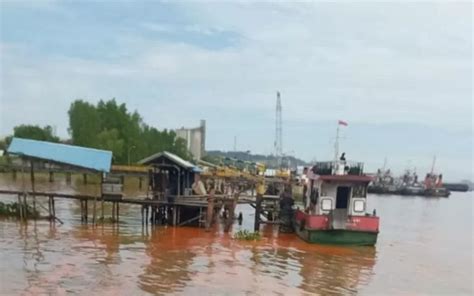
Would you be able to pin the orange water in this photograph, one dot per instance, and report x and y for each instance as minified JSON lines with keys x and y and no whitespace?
{"x":425,"y":247}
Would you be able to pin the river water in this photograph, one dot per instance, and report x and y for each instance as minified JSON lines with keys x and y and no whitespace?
{"x":425,"y":247}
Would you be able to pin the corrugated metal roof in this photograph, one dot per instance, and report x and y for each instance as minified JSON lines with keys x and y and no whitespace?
{"x":87,"y":158}
{"x":173,"y":157}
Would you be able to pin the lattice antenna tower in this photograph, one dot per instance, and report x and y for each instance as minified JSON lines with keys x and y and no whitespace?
{"x":278,"y":130}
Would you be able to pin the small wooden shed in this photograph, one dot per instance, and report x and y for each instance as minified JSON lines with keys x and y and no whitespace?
{"x":170,"y":176}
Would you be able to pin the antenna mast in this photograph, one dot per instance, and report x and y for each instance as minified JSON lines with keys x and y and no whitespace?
{"x":278,"y":130}
{"x":433,"y":165}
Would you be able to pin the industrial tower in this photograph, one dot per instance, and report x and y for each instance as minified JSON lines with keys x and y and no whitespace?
{"x":278,"y":131}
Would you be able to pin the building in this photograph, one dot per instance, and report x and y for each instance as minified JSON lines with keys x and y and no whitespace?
{"x":170,"y":173}
{"x":195,"y":139}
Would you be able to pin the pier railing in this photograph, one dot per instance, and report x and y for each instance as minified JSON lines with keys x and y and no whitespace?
{"x":328,"y":167}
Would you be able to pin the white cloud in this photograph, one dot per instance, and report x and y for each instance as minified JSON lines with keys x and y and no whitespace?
{"x":364,"y":62}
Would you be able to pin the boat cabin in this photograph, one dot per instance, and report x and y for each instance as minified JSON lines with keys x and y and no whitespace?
{"x":337,"y":187}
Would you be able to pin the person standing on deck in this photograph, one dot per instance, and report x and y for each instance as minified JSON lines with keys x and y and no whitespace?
{"x":198,"y":186}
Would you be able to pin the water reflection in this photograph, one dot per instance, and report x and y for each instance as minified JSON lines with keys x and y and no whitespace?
{"x":188,"y":261}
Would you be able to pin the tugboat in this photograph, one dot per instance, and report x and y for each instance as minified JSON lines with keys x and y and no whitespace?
{"x":434,"y":184}
{"x":335,"y":211}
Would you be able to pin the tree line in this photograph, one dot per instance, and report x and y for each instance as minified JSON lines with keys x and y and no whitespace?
{"x":110,"y":126}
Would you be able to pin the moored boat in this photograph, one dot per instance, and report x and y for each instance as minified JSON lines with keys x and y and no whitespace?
{"x":336,"y":206}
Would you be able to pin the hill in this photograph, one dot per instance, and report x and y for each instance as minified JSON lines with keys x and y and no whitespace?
{"x":269,"y":160}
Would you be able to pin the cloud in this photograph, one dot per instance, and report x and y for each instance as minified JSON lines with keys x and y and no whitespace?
{"x":368,"y":63}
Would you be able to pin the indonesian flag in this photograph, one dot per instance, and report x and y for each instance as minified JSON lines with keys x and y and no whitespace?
{"x":341,"y":122}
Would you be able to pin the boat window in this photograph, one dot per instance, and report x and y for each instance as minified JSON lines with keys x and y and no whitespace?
{"x":359,"y":191}
{"x":359,"y":206}
{"x":326,"y":204}
{"x":323,"y":190}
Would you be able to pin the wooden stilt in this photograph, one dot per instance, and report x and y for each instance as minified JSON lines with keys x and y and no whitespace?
{"x":82,"y":210}
{"x":118,"y":212}
{"x":14,"y":174}
{"x":94,"y":209}
{"x":200,"y":215}
{"x":140,"y":181}
{"x":258,"y":210}
{"x":84,"y":179}
{"x":143,"y":215}
{"x":51,"y":176}
{"x":102,"y":209}
{"x":86,"y":208}
{"x":113,"y":211}
{"x":53,"y":206}
{"x":152,"y":215}
{"x":20,"y":208}
{"x":178,"y":212}
{"x":101,"y":197}
{"x":50,"y":216}
{"x":210,"y":209}
{"x":25,"y":207}
{"x":230,"y":219}
{"x":32,"y":176}
{"x":175,"y":217}
{"x":146,"y":215}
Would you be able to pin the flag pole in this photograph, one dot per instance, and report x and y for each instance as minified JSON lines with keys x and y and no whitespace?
{"x":336,"y":144}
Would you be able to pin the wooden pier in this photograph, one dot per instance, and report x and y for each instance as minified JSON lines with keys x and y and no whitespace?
{"x":171,"y":181}
{"x":153,"y":212}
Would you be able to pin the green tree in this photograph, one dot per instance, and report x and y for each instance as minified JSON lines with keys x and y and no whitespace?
{"x":84,"y":124}
{"x":35,"y":132}
{"x":111,"y":126}
{"x":110,"y":140}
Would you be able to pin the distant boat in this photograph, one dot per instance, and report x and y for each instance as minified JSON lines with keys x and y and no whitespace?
{"x":408,"y":184}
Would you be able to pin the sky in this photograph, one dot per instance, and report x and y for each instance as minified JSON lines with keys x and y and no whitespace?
{"x":400,"y":73}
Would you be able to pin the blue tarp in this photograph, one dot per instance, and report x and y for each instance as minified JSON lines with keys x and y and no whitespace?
{"x":87,"y":158}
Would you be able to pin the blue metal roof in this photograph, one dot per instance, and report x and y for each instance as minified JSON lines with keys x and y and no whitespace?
{"x":87,"y":158}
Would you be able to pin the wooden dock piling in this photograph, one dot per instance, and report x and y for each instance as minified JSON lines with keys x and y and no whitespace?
{"x":53,"y":206}
{"x":210,"y":209}
{"x":20,"y":207}
{"x":94,"y":211}
{"x":32,"y":176}
{"x":86,"y":208}
{"x":146,"y":214}
{"x":50,"y":216}
{"x":258,"y":210}
{"x":117,"y":207}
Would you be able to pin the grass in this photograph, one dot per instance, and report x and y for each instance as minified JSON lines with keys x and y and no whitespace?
{"x":247,"y":235}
